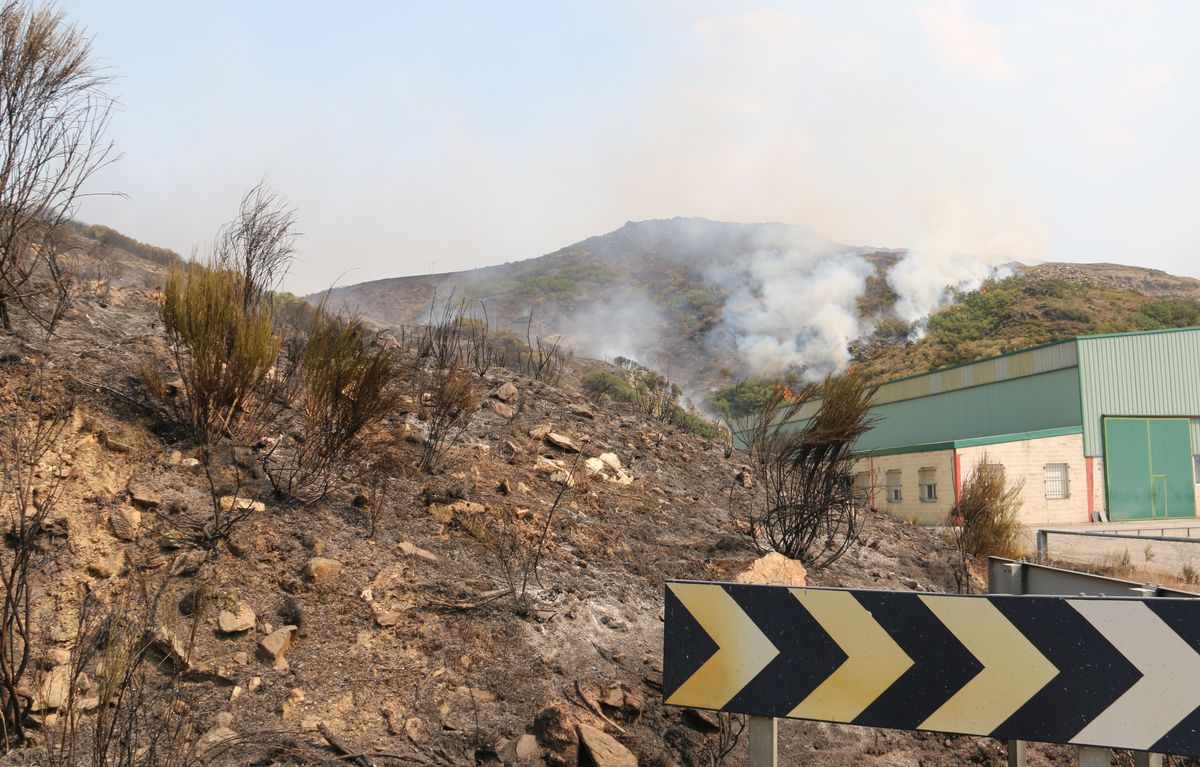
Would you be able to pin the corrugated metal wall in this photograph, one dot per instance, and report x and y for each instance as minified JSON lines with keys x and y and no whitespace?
{"x":1146,"y":374}
{"x":1029,"y":362}
{"x":1045,"y":401}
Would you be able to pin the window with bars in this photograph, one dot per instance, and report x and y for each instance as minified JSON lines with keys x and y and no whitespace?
{"x":1056,"y":481}
{"x":861,"y":485}
{"x":927,"y":477}
{"x":893,"y":486}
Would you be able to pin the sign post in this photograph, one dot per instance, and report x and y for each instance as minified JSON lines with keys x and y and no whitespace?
{"x":1103,"y":672}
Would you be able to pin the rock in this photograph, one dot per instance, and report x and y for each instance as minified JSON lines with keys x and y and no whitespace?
{"x":594,"y":466}
{"x":410,"y":550}
{"x":445,"y":512}
{"x":175,"y":388}
{"x":507,"y":412}
{"x":701,"y":721}
{"x":540,"y":432}
{"x":414,"y":728}
{"x":744,"y":477}
{"x":387,"y":619}
{"x":582,"y":411}
{"x":240,"y":618}
{"x":125,"y":522}
{"x":562,"y":442}
{"x":322,"y":569}
{"x":611,"y":461}
{"x":116,"y":445}
{"x":190,"y":602}
{"x":214,"y":737}
{"x":274,"y":646}
{"x":106,"y":567}
{"x":526,"y":749}
{"x":563,"y":478}
{"x":254,"y":683}
{"x":506,"y":393}
{"x":235,"y":503}
{"x":604,"y":750}
{"x":53,"y":692}
{"x":523,"y":488}
{"x":774,"y":568}
{"x":223,"y":719}
{"x":505,"y":487}
{"x":294,"y":699}
{"x":554,"y":729}
{"x":143,"y":495}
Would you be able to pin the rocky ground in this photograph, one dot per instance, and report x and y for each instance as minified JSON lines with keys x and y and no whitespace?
{"x":392,"y":627}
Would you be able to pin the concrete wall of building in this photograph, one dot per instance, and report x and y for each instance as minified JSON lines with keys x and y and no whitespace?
{"x":910,"y":506}
{"x":1099,"y":499}
{"x":1026,"y":460}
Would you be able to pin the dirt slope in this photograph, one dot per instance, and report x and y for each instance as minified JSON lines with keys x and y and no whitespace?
{"x":409,"y":649}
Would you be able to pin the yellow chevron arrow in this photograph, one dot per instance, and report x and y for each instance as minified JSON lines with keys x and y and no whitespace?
{"x":742,"y":649}
{"x":1013,"y":669}
{"x":874,"y":661}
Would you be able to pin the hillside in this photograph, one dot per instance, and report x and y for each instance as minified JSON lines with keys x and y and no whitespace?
{"x":416,"y":639}
{"x":708,"y":302}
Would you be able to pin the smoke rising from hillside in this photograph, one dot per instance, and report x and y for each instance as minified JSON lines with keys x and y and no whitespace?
{"x":924,"y":280}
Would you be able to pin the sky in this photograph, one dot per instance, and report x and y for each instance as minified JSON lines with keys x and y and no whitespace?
{"x":415,"y":136}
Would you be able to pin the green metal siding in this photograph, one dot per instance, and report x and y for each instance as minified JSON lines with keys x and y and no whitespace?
{"x":1145,"y":374}
{"x":1031,"y":403}
{"x":1148,"y":465}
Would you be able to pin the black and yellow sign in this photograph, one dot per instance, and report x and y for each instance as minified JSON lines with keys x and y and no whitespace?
{"x":1114,"y":672}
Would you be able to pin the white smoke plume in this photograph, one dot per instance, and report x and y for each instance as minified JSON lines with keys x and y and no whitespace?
{"x":794,"y":308}
{"x":924,"y":280}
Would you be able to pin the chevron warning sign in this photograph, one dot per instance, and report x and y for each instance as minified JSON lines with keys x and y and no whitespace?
{"x":1113,"y":672}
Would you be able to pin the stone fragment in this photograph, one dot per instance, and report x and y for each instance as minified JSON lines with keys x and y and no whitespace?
{"x":236,"y":620}
{"x":414,"y":728}
{"x":294,"y":699}
{"x":143,"y":495}
{"x":254,"y":683}
{"x":236,"y":503}
{"x":505,"y":487}
{"x":774,"y":568}
{"x":745,"y":477}
{"x":106,"y":567}
{"x":54,"y":689}
{"x":582,"y":411}
{"x":125,"y":522}
{"x":274,"y":647}
{"x":322,"y":569}
{"x":562,"y":442}
{"x":506,"y":393}
{"x":604,"y":750}
{"x":507,"y":412}
{"x":116,"y":445}
{"x":408,"y":549}
{"x":540,"y":432}
{"x":527,"y":749}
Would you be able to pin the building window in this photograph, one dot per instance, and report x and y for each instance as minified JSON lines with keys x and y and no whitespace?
{"x":1056,"y":481}
{"x":893,"y":486}
{"x":862,"y":486}
{"x":928,"y":479}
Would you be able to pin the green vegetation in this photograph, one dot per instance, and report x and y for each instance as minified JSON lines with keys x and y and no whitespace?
{"x":1022,"y":311}
{"x":749,"y":395}
{"x":559,"y":280}
{"x":113,"y":238}
{"x":652,"y":393}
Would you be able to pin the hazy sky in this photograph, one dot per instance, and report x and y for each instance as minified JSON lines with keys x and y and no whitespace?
{"x":464,"y":134}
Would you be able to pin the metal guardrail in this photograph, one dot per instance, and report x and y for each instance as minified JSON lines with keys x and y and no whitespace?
{"x":1044,"y":579}
{"x":1043,"y":534}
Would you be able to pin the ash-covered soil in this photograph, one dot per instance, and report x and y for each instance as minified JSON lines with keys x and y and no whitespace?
{"x":411,"y":646}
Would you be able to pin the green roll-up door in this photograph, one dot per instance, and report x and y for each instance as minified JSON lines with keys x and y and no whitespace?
{"x":1148,"y":468}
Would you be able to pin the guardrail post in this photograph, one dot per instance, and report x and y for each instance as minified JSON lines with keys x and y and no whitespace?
{"x":764,"y":749}
{"x":1092,"y":756}
{"x":1041,"y":545}
{"x":1011,"y":580}
{"x":1142,"y":759}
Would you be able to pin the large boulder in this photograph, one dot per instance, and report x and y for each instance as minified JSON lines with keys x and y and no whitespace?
{"x":506,"y":393}
{"x":774,"y":568}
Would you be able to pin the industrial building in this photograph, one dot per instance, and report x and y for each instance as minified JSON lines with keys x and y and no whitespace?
{"x":1103,"y":427}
